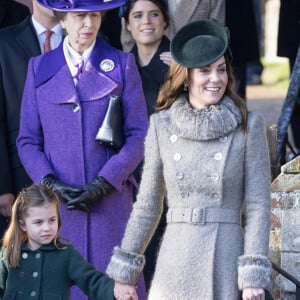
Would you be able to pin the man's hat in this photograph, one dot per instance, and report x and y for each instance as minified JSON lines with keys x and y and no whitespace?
{"x":200,"y":43}
{"x":81,"y":5}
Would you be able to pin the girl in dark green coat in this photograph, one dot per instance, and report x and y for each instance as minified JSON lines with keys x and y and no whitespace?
{"x":35,"y":264}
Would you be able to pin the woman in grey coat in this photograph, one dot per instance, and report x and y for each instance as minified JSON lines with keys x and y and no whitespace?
{"x":210,"y":157}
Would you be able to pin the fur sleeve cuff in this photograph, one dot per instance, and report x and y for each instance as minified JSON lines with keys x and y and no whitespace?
{"x":254,"y":271}
{"x":125,"y":267}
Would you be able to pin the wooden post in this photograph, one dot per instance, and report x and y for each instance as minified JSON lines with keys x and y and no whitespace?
{"x":272,"y":142}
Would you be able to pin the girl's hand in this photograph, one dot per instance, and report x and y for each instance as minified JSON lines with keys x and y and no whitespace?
{"x":253,"y":294}
{"x":166,"y":57}
{"x":125,"y":292}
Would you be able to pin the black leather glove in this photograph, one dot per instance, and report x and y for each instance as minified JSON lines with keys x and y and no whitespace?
{"x":92,"y":192}
{"x":65,"y":192}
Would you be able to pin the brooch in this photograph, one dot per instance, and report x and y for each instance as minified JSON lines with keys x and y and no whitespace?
{"x":107,"y":65}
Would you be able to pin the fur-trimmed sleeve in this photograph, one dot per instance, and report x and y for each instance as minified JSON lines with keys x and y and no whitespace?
{"x":125,"y":266}
{"x":254,"y":271}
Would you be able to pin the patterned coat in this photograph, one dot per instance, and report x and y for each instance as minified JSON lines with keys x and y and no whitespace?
{"x":212,"y":172}
{"x":58,"y":126}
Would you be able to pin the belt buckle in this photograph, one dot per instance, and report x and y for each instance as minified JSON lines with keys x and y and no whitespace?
{"x":198,"y":216}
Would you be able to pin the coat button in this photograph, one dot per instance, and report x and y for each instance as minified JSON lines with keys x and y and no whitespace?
{"x":35,"y":274}
{"x":38,"y":255}
{"x":218,"y":156}
{"x":173,"y":138}
{"x":33,"y":294}
{"x":179,"y":176}
{"x":177,"y":156}
{"x":214,"y":195}
{"x":24,"y":255}
{"x":21,"y":274}
{"x":76,"y":108}
{"x":223,"y":139}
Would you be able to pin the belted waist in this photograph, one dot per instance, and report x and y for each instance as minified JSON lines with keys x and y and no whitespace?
{"x":200,"y":216}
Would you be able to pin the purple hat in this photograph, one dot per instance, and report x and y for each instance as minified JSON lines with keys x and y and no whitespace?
{"x":81,"y":5}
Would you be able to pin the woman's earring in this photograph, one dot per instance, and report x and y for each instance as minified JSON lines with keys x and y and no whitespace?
{"x":185,"y":87}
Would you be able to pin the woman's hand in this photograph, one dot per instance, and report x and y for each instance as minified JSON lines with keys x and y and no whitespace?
{"x":253,"y":294}
{"x":166,"y":57}
{"x":6,"y":202}
{"x":125,"y":292}
{"x":65,"y":192}
{"x":92,"y":193}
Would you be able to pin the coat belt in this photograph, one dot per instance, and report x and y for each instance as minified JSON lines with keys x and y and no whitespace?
{"x":200,"y":216}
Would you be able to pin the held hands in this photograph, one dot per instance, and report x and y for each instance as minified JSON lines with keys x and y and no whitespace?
{"x":124,"y":292}
{"x":92,"y":193}
{"x":253,"y":294}
{"x":65,"y":192}
{"x":81,"y":199}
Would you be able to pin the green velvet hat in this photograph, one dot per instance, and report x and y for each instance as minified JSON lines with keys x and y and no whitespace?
{"x":200,"y":43}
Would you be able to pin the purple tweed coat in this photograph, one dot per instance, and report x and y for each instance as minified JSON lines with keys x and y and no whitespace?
{"x":57,"y":133}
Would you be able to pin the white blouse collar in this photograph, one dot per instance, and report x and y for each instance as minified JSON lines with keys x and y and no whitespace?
{"x":72,"y":56}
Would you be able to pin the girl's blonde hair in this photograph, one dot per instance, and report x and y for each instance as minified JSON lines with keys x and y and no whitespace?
{"x":178,"y":76}
{"x":33,"y":196}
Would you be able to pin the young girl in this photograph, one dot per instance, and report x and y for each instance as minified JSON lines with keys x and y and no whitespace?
{"x":35,"y":264}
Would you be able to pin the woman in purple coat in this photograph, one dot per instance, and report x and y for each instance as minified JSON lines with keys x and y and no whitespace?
{"x":65,"y":99}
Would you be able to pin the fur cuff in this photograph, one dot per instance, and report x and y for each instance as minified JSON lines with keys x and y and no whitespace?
{"x":125,"y":267}
{"x":254,"y":271}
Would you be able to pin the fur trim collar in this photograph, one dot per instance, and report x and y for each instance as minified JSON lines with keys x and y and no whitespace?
{"x":206,"y":124}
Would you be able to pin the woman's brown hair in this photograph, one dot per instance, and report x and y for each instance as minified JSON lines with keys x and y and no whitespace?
{"x":178,"y":76}
{"x":33,"y":196}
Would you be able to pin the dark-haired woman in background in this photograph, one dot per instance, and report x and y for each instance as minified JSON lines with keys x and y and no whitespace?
{"x":181,"y":12}
{"x":146,"y":20}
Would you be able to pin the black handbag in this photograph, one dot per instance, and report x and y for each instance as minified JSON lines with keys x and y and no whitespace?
{"x":111,"y":132}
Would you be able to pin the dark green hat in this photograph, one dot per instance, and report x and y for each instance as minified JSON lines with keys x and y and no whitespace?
{"x":200,"y":43}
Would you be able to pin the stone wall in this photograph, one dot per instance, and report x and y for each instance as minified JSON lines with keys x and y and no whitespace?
{"x":285,"y":229}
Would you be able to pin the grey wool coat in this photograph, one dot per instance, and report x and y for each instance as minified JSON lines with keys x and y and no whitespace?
{"x":210,"y":168}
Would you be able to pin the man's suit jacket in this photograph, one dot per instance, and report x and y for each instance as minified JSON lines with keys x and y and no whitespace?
{"x":18,"y":44}
{"x":12,"y":12}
